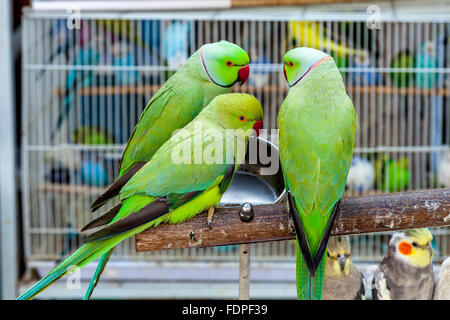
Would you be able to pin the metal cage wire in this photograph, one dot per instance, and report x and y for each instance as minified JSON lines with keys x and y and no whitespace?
{"x":100,"y":75}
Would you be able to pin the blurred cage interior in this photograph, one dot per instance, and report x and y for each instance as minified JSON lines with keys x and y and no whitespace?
{"x":86,"y":82}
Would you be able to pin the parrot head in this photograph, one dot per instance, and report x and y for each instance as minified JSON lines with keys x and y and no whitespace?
{"x":338,"y":256}
{"x":238,"y":111}
{"x":299,"y":62}
{"x":413,"y":247}
{"x":225,"y":63}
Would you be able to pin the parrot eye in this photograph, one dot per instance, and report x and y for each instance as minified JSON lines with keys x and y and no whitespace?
{"x":415,"y":244}
{"x":229,"y":63}
{"x":242,"y":118}
{"x":328,"y":254}
{"x":290,"y":64}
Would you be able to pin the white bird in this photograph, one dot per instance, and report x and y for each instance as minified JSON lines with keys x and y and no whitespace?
{"x":361,"y":176}
{"x":443,"y":172}
{"x":442,"y":289}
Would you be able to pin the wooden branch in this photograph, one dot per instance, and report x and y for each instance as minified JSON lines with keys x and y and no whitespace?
{"x":374,"y":213}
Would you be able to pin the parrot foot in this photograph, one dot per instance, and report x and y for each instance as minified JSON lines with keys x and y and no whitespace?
{"x":210,"y":217}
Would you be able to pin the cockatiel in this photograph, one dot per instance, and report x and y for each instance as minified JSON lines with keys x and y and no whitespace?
{"x":343,"y":281}
{"x":442,"y":290}
{"x":406,"y":272}
{"x":317,"y":124}
{"x":176,"y":184}
{"x":210,"y":71}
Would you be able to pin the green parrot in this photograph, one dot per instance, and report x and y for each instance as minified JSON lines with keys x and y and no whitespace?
{"x":317,"y":124}
{"x":176,"y":184}
{"x":210,"y":71}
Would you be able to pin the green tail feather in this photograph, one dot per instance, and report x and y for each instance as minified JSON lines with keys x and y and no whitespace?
{"x":309,"y":288}
{"x":91,"y":251}
{"x":98,"y":272}
{"x":84,"y":254}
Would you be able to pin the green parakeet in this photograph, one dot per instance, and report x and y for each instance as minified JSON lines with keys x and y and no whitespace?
{"x":186,"y":176}
{"x":317,"y":123}
{"x":210,"y":71}
{"x":402,"y":60}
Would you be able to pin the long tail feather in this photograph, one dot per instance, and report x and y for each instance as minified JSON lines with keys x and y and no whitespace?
{"x":97,"y":247}
{"x":98,"y":272}
{"x":308,"y":287}
{"x":83,"y":255}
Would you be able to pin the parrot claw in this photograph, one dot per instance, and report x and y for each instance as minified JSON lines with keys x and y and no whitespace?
{"x":210,"y":217}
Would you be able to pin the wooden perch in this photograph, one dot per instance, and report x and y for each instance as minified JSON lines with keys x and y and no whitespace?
{"x":375,"y":213}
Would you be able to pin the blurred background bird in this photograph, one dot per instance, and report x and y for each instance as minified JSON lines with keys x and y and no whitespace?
{"x":343,"y":281}
{"x":426,"y":57}
{"x":443,"y":171}
{"x":364,"y":75}
{"x":311,"y":34}
{"x":92,"y":135}
{"x":442,"y":290}
{"x":76,"y":80}
{"x":123,"y":57}
{"x":93,"y":171}
{"x":392,"y":175}
{"x":406,"y":272}
{"x":403,"y":60}
{"x":361,"y":176}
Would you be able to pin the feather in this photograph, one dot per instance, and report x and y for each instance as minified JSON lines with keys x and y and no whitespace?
{"x":98,"y":272}
{"x":225,"y":183}
{"x":177,"y":199}
{"x":301,"y":236}
{"x":326,"y":236}
{"x":150,"y":212}
{"x":114,"y":189}
{"x":311,"y":262}
{"x":103,"y":219}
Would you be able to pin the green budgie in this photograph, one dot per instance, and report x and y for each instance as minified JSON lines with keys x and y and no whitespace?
{"x":210,"y":71}
{"x":317,"y":124}
{"x":177,"y":183}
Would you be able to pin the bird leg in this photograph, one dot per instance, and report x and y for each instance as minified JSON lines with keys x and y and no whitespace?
{"x":210,"y":217}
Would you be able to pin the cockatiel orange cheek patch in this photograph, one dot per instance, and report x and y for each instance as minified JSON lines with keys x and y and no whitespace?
{"x":405,"y":248}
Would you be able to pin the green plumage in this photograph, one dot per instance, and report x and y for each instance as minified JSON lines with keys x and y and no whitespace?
{"x":317,"y":123}
{"x":176,"y":103}
{"x":161,"y":183}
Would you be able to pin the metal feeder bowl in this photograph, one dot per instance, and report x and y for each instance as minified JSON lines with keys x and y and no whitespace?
{"x":250,"y":185}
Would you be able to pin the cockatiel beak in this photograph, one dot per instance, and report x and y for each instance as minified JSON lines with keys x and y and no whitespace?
{"x":258,"y":126}
{"x":429,"y":248}
{"x":243,"y":73}
{"x":342,"y":259}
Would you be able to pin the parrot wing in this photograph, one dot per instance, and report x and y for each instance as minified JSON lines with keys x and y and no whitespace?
{"x":165,"y":112}
{"x":166,"y":183}
{"x":161,"y":176}
{"x":380,"y":287}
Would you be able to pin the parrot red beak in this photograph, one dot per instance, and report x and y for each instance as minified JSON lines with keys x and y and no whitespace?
{"x":243,"y":73}
{"x":258,"y":126}
{"x":284,"y":72}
